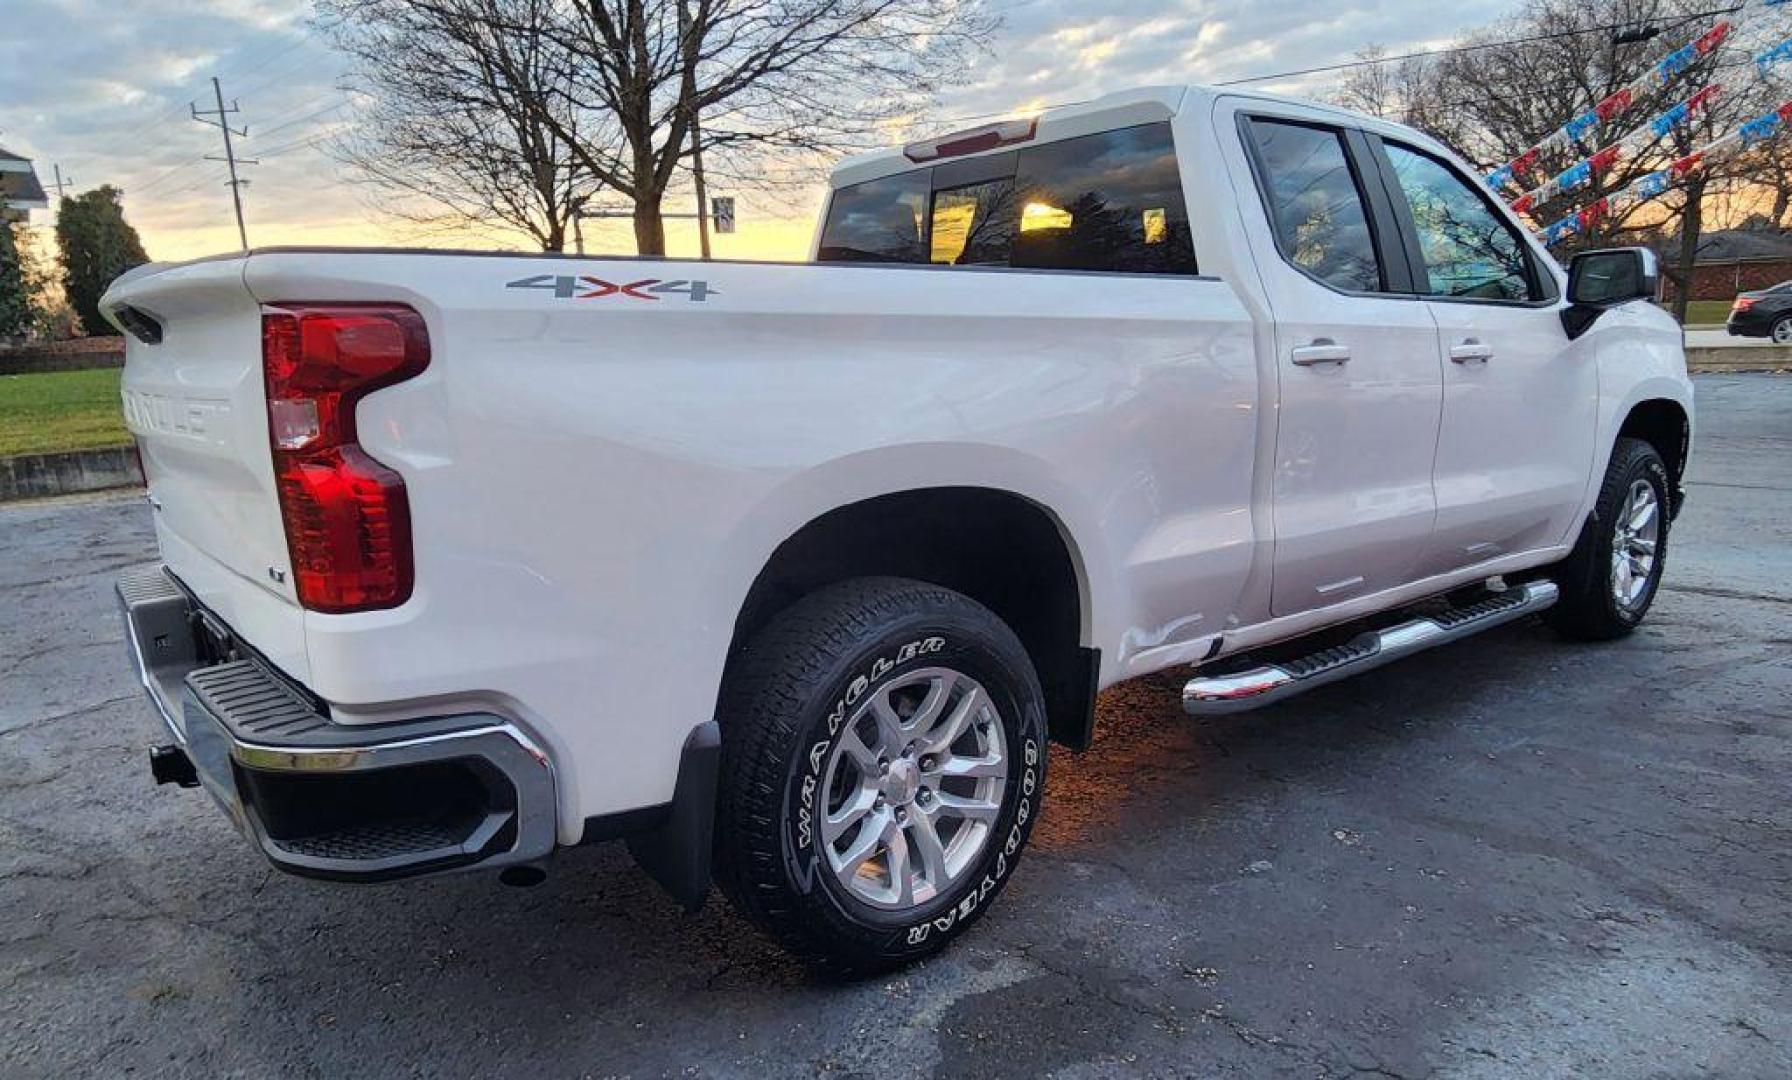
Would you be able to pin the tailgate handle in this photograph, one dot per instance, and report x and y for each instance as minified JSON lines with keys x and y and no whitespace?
{"x":1322,"y":351}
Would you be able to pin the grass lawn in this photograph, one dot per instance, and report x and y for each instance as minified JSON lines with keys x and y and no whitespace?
{"x":1707,"y":312}
{"x":60,"y":410}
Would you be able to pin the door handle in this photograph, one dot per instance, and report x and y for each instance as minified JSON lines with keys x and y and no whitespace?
{"x":1322,"y":351}
{"x":1471,"y":350}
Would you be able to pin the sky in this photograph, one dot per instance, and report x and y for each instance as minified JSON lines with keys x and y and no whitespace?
{"x":102,"y":88}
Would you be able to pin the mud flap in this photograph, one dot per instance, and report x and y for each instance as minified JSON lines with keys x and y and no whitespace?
{"x":676,"y":852}
{"x":1070,"y":700}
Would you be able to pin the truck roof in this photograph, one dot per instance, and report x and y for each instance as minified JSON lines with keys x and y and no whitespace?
{"x":1124,"y":108}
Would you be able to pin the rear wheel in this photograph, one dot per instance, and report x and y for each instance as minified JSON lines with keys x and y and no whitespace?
{"x":1610,"y":580}
{"x":883,"y":758}
{"x":1782,"y":331}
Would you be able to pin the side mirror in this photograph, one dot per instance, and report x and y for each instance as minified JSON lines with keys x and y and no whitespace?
{"x":1598,"y":280}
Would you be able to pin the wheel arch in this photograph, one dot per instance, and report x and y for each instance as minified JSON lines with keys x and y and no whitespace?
{"x":1009,"y":552}
{"x":1665,"y":424}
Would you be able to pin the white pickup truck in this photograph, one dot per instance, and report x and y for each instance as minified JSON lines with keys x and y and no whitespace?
{"x":787,"y":574}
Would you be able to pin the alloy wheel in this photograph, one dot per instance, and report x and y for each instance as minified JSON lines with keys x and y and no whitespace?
{"x":1636,"y":534}
{"x":915,"y":784}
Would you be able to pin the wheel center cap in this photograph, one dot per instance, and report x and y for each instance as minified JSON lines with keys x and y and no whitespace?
{"x":902,"y":783}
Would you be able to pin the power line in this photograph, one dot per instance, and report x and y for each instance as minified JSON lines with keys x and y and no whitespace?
{"x":256,"y":60}
{"x":220,"y":119}
{"x":195,"y":185}
{"x":163,"y":177}
{"x":1373,"y":61}
{"x":1476,"y":47}
{"x":266,"y":56}
{"x":304,"y":142}
{"x":175,"y":170}
{"x":265,"y":132}
{"x":281,"y":71}
{"x":199,"y":159}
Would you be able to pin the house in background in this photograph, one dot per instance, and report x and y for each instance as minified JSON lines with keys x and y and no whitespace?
{"x":20,"y":191}
{"x":1732,"y":261}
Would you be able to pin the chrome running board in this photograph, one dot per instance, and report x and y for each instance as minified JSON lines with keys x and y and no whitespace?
{"x":1219,"y":694}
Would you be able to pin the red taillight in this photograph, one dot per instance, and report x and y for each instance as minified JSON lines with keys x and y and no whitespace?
{"x":1743,"y":303}
{"x":348,"y":522}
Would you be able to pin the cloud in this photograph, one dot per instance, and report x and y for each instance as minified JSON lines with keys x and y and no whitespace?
{"x":103,"y":89}
{"x":1145,"y":42}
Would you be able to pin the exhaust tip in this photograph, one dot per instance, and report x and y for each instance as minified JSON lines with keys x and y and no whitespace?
{"x":171,"y":765}
{"x":522,"y":877}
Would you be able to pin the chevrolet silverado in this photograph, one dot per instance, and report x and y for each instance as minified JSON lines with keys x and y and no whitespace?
{"x":789,"y":574}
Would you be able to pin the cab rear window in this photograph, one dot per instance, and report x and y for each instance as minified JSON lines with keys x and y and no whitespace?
{"x":878,"y":221}
{"x":1105,"y":202}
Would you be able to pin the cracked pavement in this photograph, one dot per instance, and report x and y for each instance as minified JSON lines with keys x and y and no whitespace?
{"x":1508,"y":857}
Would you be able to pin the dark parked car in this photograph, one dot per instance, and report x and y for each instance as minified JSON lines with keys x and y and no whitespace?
{"x":1767,"y":313}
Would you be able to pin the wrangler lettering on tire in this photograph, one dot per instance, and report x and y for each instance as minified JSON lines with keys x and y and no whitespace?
{"x":883,"y":757}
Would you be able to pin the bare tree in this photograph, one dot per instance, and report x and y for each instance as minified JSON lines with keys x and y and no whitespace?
{"x":621,"y":84}
{"x":1401,"y":89}
{"x":1774,"y":176}
{"x":466,"y":116}
{"x":794,"y":79}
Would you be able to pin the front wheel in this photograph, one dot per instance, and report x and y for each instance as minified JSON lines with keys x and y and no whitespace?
{"x":1609,"y":581}
{"x":883,"y":759}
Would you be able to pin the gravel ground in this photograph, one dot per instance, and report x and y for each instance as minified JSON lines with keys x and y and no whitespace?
{"x":1510,"y":857}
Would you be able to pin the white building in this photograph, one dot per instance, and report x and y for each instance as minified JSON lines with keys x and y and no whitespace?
{"x":20,"y":191}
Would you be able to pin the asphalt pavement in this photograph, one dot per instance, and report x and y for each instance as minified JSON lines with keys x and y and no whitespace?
{"x":1509,"y":857}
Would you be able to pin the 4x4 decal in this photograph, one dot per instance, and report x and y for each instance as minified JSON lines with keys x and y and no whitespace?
{"x":586,"y":287}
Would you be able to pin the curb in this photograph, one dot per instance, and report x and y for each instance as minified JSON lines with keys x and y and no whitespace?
{"x":1738,"y":359}
{"x":37,"y":476}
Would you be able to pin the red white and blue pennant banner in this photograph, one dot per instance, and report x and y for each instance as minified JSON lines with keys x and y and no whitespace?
{"x":1750,"y":135}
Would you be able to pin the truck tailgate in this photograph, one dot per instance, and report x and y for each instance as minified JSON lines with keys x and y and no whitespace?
{"x":196,"y":403}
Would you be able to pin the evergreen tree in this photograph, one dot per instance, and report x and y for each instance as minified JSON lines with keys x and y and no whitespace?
{"x":17,"y":311}
{"x":97,"y":245}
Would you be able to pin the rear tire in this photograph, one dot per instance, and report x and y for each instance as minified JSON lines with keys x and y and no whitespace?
{"x":1610,"y":580}
{"x":1782,"y":331}
{"x":883,"y":760}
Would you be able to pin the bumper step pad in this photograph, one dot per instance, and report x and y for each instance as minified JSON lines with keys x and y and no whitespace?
{"x":296,"y":772}
{"x":324,"y":799}
{"x":255,"y":704}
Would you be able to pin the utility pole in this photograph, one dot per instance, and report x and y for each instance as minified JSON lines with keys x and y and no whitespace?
{"x":689,"y":91}
{"x":222,"y":123}
{"x":61,"y":183}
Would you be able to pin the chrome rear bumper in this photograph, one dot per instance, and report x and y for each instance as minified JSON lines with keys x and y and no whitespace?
{"x":331,"y":800}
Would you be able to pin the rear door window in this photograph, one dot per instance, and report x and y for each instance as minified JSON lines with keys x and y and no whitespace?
{"x":1106,"y":202}
{"x":1315,"y":206}
{"x":878,"y":221}
{"x":973,"y":217}
{"x":1111,"y":202}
